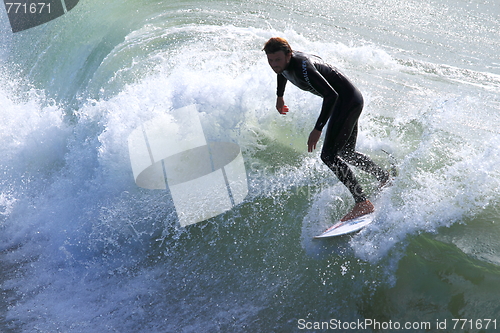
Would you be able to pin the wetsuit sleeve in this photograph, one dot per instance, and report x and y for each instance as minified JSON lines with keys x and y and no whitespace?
{"x":323,"y":88}
{"x":281,"y":85}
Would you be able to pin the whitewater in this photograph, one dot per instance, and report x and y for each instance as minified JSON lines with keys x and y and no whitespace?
{"x":84,"y":249}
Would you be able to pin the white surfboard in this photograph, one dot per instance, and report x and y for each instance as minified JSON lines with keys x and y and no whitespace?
{"x":347,"y":227}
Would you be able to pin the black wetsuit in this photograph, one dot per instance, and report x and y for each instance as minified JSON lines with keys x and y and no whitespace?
{"x":342,"y":105}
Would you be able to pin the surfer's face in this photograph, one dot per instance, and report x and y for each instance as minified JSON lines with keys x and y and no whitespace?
{"x":278,"y":61}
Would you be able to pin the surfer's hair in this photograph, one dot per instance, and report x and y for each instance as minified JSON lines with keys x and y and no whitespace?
{"x":277,"y":44}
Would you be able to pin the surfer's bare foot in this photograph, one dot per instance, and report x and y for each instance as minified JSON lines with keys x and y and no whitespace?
{"x":360,"y":209}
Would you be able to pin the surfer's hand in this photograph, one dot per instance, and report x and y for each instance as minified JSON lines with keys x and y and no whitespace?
{"x":280,"y":105}
{"x":313,"y":140}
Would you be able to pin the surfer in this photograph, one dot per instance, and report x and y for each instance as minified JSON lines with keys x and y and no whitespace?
{"x":341,"y":108}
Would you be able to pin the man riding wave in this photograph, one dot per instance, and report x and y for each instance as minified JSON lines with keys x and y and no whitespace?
{"x":341,"y":108}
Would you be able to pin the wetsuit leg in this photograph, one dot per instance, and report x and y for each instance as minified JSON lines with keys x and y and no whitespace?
{"x":351,"y":156}
{"x":339,"y":130}
{"x":339,"y":146}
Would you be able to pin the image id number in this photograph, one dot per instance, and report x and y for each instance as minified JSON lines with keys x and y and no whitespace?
{"x":470,"y":324}
{"x":24,"y":8}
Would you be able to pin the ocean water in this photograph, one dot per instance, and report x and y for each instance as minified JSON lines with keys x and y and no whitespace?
{"x":84,"y":249}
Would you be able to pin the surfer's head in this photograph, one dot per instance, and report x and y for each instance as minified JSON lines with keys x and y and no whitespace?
{"x":276,"y":44}
{"x":278,"y":53}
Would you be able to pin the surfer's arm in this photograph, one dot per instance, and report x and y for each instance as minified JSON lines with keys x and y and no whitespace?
{"x":280,"y":105}
{"x":323,"y":88}
{"x":280,"y":91}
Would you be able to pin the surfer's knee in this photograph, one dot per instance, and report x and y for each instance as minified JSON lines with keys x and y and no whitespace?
{"x":347,"y":155}
{"x":335,"y":163}
{"x":329,"y":158}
